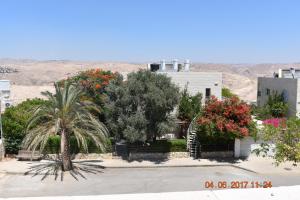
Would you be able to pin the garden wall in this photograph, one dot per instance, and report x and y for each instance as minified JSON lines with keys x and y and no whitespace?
{"x":154,"y":156}
{"x":243,"y":147}
{"x":132,"y":156}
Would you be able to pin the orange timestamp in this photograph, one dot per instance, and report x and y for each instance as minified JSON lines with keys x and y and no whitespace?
{"x":237,"y":184}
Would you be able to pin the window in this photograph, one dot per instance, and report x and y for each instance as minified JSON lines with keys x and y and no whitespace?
{"x":258,"y":93}
{"x":154,"y":67}
{"x":207,"y":93}
{"x":267,"y":91}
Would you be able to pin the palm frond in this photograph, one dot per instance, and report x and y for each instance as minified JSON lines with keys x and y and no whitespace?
{"x":65,"y":112}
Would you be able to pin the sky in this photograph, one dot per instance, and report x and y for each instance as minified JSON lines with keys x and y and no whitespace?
{"x":217,"y":31}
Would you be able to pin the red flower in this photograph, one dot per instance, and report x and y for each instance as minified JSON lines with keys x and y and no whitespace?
{"x":203,"y":121}
{"x":229,"y":116}
{"x":105,"y":83}
{"x":244,"y":131}
{"x":98,"y":86}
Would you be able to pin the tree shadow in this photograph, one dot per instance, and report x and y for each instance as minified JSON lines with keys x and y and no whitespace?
{"x":157,"y":160}
{"x":53,"y":167}
{"x":231,"y":160}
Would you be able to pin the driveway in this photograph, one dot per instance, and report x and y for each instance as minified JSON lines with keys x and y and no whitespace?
{"x":132,"y":180}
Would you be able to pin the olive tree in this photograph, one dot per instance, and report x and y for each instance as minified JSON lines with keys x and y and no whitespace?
{"x":139,"y":108}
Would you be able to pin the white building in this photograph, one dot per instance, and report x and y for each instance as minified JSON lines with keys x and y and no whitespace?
{"x":5,"y":94}
{"x":285,"y":82}
{"x":207,"y":83}
{"x":5,"y":102}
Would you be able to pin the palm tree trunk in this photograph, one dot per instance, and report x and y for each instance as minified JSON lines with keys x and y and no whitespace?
{"x":65,"y":151}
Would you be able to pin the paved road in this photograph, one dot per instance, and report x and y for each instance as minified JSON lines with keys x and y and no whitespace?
{"x":134,"y":180}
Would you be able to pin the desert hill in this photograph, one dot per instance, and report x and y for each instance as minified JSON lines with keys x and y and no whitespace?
{"x":30,"y":77}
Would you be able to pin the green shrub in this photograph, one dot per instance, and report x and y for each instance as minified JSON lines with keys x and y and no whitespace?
{"x":14,"y":121}
{"x":227,"y":93}
{"x":189,"y":105}
{"x":160,"y":146}
{"x":178,"y":145}
{"x":53,"y":146}
{"x":276,"y":107}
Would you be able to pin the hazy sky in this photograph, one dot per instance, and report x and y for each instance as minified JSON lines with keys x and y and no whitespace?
{"x":232,"y":31}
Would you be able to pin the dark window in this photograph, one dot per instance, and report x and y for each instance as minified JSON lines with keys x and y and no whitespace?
{"x":154,"y":67}
{"x":207,"y":93}
{"x":258,"y":93}
{"x":268,"y":91}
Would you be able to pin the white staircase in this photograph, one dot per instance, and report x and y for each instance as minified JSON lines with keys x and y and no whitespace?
{"x":193,"y":145}
{"x":192,"y":140}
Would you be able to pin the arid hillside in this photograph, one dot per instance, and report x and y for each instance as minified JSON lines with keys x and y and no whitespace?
{"x":242,"y":78}
{"x":30,"y":77}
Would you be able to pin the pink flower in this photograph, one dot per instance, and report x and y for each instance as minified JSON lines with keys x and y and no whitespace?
{"x":276,"y":122}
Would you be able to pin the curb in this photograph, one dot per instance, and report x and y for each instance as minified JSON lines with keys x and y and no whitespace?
{"x":145,"y":167}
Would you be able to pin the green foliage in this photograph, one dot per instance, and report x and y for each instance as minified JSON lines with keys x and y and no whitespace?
{"x":14,"y":122}
{"x":189,"y":106}
{"x":161,"y":146}
{"x":177,"y":145}
{"x":226,"y":92}
{"x":286,"y":138}
{"x":139,"y":108}
{"x":275,"y":107}
{"x":53,"y":146}
{"x":253,"y":130}
{"x":65,"y":115}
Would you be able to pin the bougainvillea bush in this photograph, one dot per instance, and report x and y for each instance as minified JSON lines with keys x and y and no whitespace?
{"x":284,"y":136}
{"x":230,"y":118}
{"x":276,"y":122}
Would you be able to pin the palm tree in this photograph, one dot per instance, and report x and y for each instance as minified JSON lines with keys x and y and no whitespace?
{"x":65,"y":115}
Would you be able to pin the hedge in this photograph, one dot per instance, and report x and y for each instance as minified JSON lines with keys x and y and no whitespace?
{"x":160,"y":146}
{"x":53,"y":146}
{"x":212,"y":143}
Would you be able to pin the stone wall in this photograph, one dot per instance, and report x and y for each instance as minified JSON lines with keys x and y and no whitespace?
{"x":95,"y":156}
{"x":79,"y":156}
{"x":170,"y":155}
{"x":132,"y":156}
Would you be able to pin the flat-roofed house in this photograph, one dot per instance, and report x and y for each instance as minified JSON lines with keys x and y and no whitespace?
{"x":285,"y":82}
{"x":207,"y":83}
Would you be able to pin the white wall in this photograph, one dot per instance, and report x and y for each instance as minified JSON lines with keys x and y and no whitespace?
{"x":290,"y":86}
{"x":243,"y":147}
{"x":198,"y":82}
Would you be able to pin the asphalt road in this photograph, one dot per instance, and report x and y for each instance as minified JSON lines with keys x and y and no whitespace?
{"x":133,"y":180}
